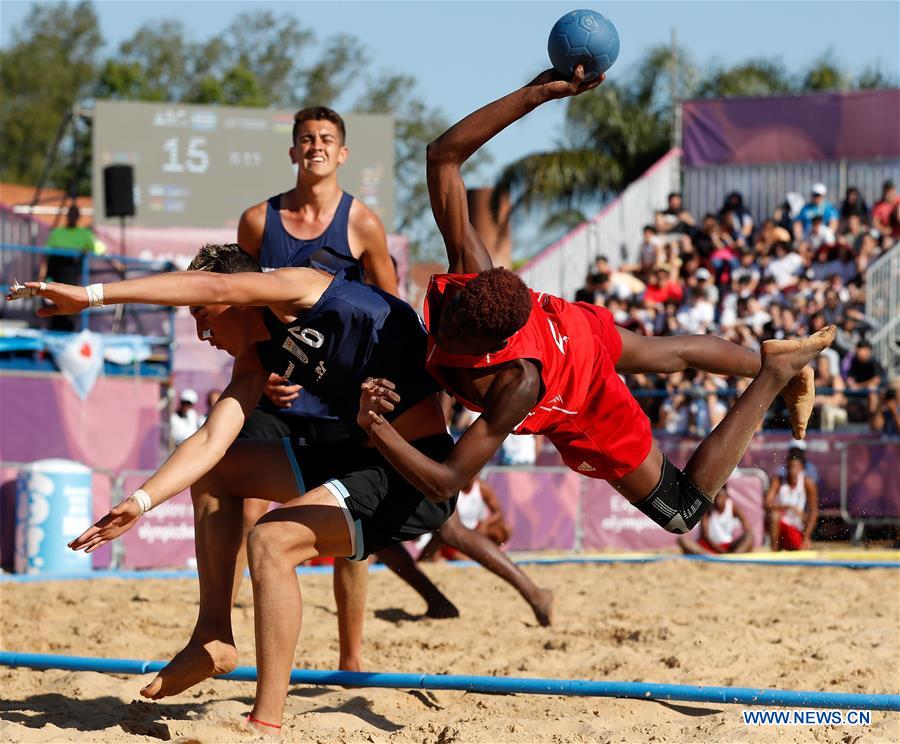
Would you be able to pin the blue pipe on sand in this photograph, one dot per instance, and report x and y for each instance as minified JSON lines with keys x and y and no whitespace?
{"x":468,"y":683}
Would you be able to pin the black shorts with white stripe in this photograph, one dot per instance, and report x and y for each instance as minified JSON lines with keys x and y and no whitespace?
{"x":381,"y":507}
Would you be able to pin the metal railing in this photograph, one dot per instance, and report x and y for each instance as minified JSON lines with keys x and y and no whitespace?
{"x":883,"y":308}
{"x":154,"y":323}
{"x":765,"y":186}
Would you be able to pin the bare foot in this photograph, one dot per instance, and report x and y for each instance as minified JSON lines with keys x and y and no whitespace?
{"x":543,"y":608}
{"x":258,"y":730}
{"x":441,"y":609}
{"x":799,"y":396}
{"x":785,"y":360}
{"x":350,"y":665}
{"x":194,"y":663}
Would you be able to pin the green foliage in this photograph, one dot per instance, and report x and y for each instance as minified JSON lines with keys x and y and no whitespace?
{"x":46,"y":70}
{"x":755,"y":77}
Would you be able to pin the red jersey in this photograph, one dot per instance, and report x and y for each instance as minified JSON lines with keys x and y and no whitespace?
{"x":575,"y":347}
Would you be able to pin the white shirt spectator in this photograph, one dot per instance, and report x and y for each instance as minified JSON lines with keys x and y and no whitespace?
{"x":786,"y":269}
{"x":696,"y":317}
{"x":182,"y":426}
{"x":185,"y":420}
{"x":821,"y":236}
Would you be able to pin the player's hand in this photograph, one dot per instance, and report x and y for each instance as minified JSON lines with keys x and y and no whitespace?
{"x":67,"y":299}
{"x":281,"y":392}
{"x":555,"y":87}
{"x":379,"y":396}
{"x":118,"y":521}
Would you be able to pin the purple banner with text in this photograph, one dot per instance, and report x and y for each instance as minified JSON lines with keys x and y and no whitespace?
{"x":855,"y":125}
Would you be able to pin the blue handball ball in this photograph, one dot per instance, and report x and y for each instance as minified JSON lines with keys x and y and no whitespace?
{"x":583,"y":37}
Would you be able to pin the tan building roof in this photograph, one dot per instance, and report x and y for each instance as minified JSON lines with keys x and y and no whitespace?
{"x":51,"y":207}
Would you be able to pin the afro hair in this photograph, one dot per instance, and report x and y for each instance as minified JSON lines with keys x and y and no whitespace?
{"x":495,"y":304}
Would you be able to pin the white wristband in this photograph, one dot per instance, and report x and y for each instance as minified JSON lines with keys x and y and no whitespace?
{"x":142,"y":499}
{"x":95,"y":295}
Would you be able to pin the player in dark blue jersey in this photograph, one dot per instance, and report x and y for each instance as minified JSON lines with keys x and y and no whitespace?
{"x":316,"y":330}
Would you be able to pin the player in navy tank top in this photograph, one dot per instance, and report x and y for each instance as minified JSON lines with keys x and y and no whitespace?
{"x":317,"y":330}
{"x":315,"y":224}
{"x":282,"y":232}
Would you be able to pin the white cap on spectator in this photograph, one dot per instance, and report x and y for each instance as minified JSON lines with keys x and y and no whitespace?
{"x":819,"y":189}
{"x":189,"y":396}
{"x":703,"y":273}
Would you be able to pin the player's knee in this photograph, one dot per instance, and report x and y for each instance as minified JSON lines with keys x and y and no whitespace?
{"x":265,"y":545}
{"x":452,"y":531}
{"x":676,"y":504}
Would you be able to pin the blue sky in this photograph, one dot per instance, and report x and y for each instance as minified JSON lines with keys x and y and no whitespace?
{"x":466,"y":53}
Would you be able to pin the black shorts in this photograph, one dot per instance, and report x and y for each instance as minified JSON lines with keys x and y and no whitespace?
{"x":266,"y":424}
{"x":380,"y":506}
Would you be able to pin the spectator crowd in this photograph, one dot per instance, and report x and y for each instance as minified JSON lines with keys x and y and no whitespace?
{"x":803,"y":268}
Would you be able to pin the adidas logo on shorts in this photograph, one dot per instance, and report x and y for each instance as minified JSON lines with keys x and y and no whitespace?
{"x":586,"y":467}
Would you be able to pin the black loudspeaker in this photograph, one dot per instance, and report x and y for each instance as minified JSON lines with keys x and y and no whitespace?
{"x":118,"y":190}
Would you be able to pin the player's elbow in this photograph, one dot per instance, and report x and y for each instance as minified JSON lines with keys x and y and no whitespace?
{"x":438,"y":153}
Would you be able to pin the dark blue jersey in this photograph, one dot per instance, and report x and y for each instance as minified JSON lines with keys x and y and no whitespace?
{"x":329,"y":252}
{"x":353,"y":332}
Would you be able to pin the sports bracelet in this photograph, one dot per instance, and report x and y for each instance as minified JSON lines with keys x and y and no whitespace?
{"x":95,"y":295}
{"x":142,"y":499}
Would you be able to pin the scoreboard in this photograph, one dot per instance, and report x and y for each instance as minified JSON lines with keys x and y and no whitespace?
{"x":202,"y":166}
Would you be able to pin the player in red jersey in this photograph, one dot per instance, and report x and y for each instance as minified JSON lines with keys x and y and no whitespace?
{"x":536,"y":364}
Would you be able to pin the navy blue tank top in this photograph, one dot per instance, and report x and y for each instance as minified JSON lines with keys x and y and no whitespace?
{"x":330,"y":252}
{"x":353,"y":332}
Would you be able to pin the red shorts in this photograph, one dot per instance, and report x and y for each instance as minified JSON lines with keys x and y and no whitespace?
{"x":790,"y":538}
{"x":610,"y":436}
{"x":714,"y":548}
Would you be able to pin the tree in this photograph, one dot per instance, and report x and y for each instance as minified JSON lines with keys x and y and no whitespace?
{"x":756,"y":77}
{"x":824,"y":74}
{"x":44,"y":73}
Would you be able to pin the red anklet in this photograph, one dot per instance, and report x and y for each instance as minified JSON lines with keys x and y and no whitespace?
{"x":251,"y":719}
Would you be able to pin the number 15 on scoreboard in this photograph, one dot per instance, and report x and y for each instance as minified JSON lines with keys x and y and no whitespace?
{"x":196,"y":159}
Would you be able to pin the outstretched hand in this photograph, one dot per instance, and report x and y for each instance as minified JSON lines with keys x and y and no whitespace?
{"x":551,"y":81}
{"x":67,"y":299}
{"x":379,"y":396}
{"x":118,"y":521}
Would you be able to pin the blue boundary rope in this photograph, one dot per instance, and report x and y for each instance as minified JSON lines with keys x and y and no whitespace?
{"x":191,"y":574}
{"x":505,"y":685}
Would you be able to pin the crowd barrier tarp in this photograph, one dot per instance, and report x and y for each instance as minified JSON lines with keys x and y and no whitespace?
{"x":612,"y":523}
{"x":872,"y":463}
{"x":115,"y":428}
{"x":542,"y":506}
{"x":853,"y":125}
{"x":164,"y":536}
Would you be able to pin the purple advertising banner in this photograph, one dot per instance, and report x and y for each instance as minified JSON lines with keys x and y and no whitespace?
{"x":610,"y":522}
{"x":856,"y":125}
{"x":541,"y":506}
{"x":164,"y":536}
{"x":115,"y":428}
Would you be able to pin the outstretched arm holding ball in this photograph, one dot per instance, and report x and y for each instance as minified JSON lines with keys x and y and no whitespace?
{"x":465,"y":251}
